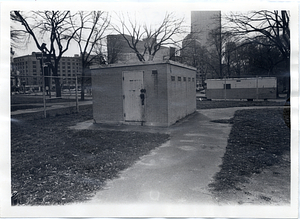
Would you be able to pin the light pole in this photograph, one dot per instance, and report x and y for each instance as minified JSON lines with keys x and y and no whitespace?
{"x":43,"y":75}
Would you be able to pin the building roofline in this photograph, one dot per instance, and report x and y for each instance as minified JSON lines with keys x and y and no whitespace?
{"x":242,"y":78}
{"x":142,"y":64}
{"x":33,"y":55}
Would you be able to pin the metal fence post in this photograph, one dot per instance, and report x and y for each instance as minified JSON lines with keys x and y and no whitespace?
{"x":76,"y":91}
{"x":44,"y":98}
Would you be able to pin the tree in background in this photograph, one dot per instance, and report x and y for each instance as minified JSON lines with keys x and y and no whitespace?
{"x":145,"y":39}
{"x":52,"y":27}
{"x":89,"y":29}
{"x":17,"y":36}
{"x":270,"y":30}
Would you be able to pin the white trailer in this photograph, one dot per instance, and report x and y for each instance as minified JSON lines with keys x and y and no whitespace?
{"x":242,"y":88}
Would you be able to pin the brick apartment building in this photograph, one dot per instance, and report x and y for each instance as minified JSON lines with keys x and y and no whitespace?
{"x":27,"y":70}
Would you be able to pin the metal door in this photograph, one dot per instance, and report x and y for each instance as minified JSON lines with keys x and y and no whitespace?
{"x":132,"y":104}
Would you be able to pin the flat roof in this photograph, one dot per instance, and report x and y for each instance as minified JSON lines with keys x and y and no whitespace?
{"x":248,"y":78}
{"x":119,"y":65}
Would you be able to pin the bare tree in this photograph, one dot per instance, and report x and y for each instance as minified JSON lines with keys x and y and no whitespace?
{"x":254,"y":26}
{"x":53,"y":27}
{"x":273,"y":25}
{"x":145,"y":39}
{"x":91,"y":30}
{"x":17,"y":36}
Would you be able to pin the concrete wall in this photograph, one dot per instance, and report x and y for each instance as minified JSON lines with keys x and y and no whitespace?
{"x":155,"y":81}
{"x":107,"y":95}
{"x":166,"y":101}
{"x":181,"y":92}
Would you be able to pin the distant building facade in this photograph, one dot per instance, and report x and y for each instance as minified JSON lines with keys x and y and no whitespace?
{"x":28,"y":69}
{"x":202,"y":23}
{"x":197,"y":45}
{"x":118,"y":51}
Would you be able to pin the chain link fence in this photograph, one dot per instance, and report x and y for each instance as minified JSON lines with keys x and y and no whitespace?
{"x":37,"y":91}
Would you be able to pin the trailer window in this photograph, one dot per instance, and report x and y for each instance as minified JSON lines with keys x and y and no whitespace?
{"x":227,"y":86}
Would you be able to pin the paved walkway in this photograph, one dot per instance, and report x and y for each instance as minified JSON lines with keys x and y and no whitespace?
{"x":178,"y":171}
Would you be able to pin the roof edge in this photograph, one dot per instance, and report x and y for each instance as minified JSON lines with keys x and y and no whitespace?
{"x":142,"y":64}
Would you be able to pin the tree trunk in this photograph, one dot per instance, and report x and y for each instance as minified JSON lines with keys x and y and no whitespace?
{"x":56,"y":78}
{"x":82,"y":85}
{"x":57,"y":87}
{"x":150,"y":58}
{"x":287,"y":78}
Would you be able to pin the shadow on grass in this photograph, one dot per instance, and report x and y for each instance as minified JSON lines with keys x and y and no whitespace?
{"x":257,"y":140}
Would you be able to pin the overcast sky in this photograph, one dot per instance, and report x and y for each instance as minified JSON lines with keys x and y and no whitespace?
{"x":146,"y":16}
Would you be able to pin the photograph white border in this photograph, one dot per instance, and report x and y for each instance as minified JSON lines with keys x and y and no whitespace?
{"x":140,"y":210}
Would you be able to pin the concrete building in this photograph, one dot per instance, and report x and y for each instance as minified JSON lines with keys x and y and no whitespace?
{"x":202,"y":23}
{"x":28,"y":68}
{"x":197,"y":45}
{"x":151,"y":93}
{"x":118,"y":51}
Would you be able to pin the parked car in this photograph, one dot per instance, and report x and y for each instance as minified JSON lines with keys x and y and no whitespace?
{"x":201,"y":95}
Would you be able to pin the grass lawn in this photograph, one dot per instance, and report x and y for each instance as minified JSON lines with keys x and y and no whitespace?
{"x":230,"y":103}
{"x":259,"y":139}
{"x":51,"y":164}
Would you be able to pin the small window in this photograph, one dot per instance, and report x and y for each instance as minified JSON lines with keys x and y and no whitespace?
{"x":184,"y":78}
{"x":227,"y":86}
{"x":189,"y":79}
{"x":238,"y":80}
{"x":179,"y":78}
{"x":193,"y":79}
{"x":172,"y":78}
{"x":154,"y":72}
